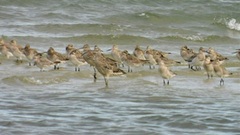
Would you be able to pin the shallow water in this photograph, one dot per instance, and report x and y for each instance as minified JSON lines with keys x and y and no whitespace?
{"x":69,"y":102}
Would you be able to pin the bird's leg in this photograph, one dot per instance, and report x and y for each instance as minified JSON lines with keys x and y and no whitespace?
{"x":55,"y":67}
{"x":95,"y":74}
{"x":106,"y":81}
{"x":221,"y":82}
{"x":168,"y":82}
{"x":129,"y":69}
{"x":164,"y":82}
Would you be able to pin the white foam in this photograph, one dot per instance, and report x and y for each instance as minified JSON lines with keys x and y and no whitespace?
{"x":233,"y":24}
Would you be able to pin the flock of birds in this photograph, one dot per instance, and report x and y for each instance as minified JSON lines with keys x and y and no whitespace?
{"x":209,"y":59}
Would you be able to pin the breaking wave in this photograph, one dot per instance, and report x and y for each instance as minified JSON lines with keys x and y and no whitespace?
{"x":231,"y":23}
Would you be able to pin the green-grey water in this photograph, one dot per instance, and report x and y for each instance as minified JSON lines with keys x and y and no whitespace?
{"x":68,"y":102}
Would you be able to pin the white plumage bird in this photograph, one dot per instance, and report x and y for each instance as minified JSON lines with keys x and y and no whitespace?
{"x":165,"y":72}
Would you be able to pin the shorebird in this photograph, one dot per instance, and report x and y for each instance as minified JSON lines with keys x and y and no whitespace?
{"x":56,"y":57}
{"x":152,"y":62}
{"x":220,"y":71}
{"x":208,"y":66}
{"x":29,"y":53}
{"x":97,"y":49}
{"x":165,"y":72}
{"x":198,"y":60}
{"x":154,"y":51}
{"x":75,"y":56}
{"x":131,"y":60}
{"x":76,"y":60}
{"x":237,"y":53}
{"x":42,"y":62}
{"x":14,"y":42}
{"x":215,"y":55}
{"x":71,"y":48}
{"x":167,"y":61}
{"x":153,"y":55}
{"x":187,"y":54}
{"x":5,"y":49}
{"x":116,"y":54}
{"x":139,"y":53}
{"x":106,"y":68}
{"x":88,"y":56}
{"x":16,"y":50}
